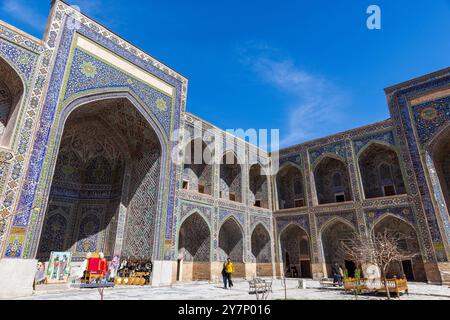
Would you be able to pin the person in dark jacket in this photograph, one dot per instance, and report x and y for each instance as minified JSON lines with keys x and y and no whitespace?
{"x":335,"y":274}
{"x":225,"y":276}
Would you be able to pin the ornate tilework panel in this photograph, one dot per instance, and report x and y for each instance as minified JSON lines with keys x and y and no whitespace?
{"x":297,"y":159}
{"x":141,"y":213}
{"x":301,"y":220}
{"x":88,"y":73}
{"x":23,"y":60}
{"x":194,"y":240}
{"x":259,"y":189}
{"x":231,"y":242}
{"x":89,"y":228}
{"x":323,"y":218}
{"x":332,"y":238}
{"x":56,"y":233}
{"x":294,"y":244}
{"x":386,"y":137}
{"x":260,"y":244}
{"x":380,"y":169}
{"x":430,"y":117}
{"x":373,"y":215}
{"x":332,"y":177}
{"x":290,"y":187}
{"x":226,"y":213}
{"x":186,"y":208}
{"x":400,"y":110}
{"x":231,"y":180}
{"x":335,"y":148}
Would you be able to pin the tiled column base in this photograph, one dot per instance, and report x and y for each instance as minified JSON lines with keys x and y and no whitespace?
{"x":438,"y":273}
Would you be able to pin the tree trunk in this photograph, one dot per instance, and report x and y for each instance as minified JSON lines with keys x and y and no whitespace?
{"x":385,"y":284}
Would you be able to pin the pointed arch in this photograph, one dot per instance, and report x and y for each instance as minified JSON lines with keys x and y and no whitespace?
{"x":295,"y":251}
{"x":198,"y":169}
{"x":146,"y":148}
{"x":259,"y":186}
{"x":231,"y":240}
{"x":380,"y":170}
{"x":194,"y":238}
{"x":230,"y":181}
{"x":325,"y":172}
{"x":332,"y":234}
{"x":439,"y":150}
{"x":12,"y":91}
{"x":290,"y":186}
{"x":408,"y":242}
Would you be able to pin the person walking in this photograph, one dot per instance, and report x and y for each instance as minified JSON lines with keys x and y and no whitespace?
{"x":229,"y":272}
{"x":225,"y":276}
{"x":335,"y":273}
{"x":341,"y":276}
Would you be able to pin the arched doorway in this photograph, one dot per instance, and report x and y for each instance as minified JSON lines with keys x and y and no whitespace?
{"x":332,"y":236}
{"x":258,"y":187}
{"x":11,"y":92}
{"x":197,"y":172}
{"x":332,"y":181}
{"x":261,"y":250}
{"x":295,"y":252}
{"x":194,"y":242}
{"x":109,"y":161}
{"x":380,"y":172}
{"x":290,"y":188}
{"x":230,"y":178}
{"x":412,"y":268}
{"x":231,"y":245}
{"x":440,"y":153}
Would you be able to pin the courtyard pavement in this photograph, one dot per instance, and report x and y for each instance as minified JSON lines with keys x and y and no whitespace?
{"x":214,"y":291}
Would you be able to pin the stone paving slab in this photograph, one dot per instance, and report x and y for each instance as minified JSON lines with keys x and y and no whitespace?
{"x":214,"y":291}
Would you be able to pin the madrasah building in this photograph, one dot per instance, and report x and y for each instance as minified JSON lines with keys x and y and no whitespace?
{"x":88,"y":163}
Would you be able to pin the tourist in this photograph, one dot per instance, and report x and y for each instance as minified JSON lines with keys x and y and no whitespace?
{"x":335,"y":273}
{"x":341,"y":275}
{"x":229,"y":272}
{"x":294,"y":272}
{"x":225,"y":276}
{"x":39,"y":276}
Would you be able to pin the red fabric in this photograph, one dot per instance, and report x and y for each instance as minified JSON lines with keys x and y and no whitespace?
{"x":93,"y":265}
{"x":103,"y":267}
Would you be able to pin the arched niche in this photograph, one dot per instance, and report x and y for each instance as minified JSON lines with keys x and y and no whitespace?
{"x":198,"y":169}
{"x":295,"y":252}
{"x":11,"y":95}
{"x":258,"y":183}
{"x":332,"y":181}
{"x":380,"y":171}
{"x":290,"y":188}
{"x":230,"y":182}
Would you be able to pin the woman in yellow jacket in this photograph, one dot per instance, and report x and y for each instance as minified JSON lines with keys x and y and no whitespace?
{"x":229,"y":268}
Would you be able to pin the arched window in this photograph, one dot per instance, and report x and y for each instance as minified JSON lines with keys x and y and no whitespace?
{"x":11,"y":92}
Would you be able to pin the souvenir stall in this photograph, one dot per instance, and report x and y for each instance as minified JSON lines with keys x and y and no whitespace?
{"x":134,"y":272}
{"x":95,"y":271}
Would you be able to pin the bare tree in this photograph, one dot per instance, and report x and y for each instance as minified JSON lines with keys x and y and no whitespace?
{"x":382,"y":249}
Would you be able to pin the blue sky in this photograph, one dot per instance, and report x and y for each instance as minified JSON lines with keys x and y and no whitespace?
{"x":309,"y":68}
